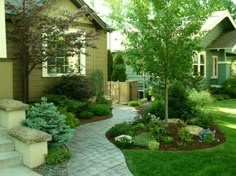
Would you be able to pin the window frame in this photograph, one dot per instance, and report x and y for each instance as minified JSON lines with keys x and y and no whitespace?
{"x":215,"y":68}
{"x":199,"y":64}
{"x":76,"y":62}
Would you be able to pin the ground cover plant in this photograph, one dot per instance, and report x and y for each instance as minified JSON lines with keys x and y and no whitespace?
{"x":219,"y":160}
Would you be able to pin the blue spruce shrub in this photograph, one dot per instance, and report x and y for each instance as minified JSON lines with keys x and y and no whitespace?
{"x":44,"y":116}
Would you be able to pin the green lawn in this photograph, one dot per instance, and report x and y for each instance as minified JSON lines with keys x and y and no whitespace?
{"x":217,"y":161}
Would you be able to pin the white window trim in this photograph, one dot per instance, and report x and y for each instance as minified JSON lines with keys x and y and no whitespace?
{"x":199,"y":62}
{"x":73,"y":64}
{"x":215,"y":67}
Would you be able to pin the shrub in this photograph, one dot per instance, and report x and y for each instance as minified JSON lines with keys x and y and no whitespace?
{"x":66,"y":103}
{"x":184,"y":136}
{"x":179,"y":104}
{"x":57,"y":154}
{"x":229,"y":87}
{"x":99,"y":109}
{"x":142,"y":101}
{"x":133,"y":103}
{"x":85,"y":115}
{"x":167,"y":139}
{"x":143,"y":139}
{"x":206,"y":135}
{"x":71,"y":120}
{"x":119,"y":70}
{"x":157,"y":128}
{"x":203,"y":120}
{"x":139,"y":125}
{"x":157,"y":108}
{"x":153,"y":145}
{"x":200,"y":98}
{"x":45,"y":117}
{"x":73,"y":86}
{"x":121,"y":128}
{"x":123,"y":141}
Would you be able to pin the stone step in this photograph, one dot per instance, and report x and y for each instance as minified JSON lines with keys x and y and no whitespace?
{"x":6,"y":145}
{"x":19,"y":170}
{"x":8,"y":159}
{"x":3,"y":132}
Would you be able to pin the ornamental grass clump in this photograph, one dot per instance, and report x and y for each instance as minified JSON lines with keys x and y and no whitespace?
{"x":44,"y":116}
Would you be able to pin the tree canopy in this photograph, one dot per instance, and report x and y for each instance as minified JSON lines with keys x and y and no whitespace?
{"x":161,"y":36}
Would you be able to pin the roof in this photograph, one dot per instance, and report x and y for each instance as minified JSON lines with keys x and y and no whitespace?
{"x":227,"y":40}
{"x":95,"y":18}
{"x":216,"y":18}
{"x":78,"y":3}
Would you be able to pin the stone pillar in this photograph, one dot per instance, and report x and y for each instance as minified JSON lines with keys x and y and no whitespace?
{"x":32,"y":144}
{"x":12,"y":113}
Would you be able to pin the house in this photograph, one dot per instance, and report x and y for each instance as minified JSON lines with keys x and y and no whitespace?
{"x":215,"y":63}
{"x":5,"y":66}
{"x":41,"y":79}
{"x":217,"y":60}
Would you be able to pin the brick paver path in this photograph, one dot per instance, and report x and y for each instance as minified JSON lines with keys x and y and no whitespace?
{"x":93,"y":154}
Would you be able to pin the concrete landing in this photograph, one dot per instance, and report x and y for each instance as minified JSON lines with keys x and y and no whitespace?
{"x":18,"y":171}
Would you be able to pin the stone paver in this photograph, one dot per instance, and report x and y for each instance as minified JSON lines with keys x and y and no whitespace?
{"x":93,"y":154}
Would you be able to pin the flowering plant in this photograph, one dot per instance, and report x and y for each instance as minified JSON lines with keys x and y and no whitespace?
{"x":206,"y":135}
{"x":123,"y":141}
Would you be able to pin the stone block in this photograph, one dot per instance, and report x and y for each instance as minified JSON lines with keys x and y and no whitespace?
{"x":32,"y":144}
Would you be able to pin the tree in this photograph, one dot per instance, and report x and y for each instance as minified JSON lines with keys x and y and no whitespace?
{"x":119,"y":70}
{"x":161,"y":36}
{"x":110,"y":64}
{"x":44,"y":31}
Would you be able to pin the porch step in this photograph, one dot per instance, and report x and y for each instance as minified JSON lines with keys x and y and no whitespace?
{"x":6,"y":145}
{"x":3,"y":132}
{"x":19,"y":170}
{"x":8,"y":159}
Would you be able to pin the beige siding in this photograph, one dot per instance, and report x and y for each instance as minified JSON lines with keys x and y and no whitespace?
{"x":39,"y":85}
{"x":3,"y":53}
{"x":6,"y":89}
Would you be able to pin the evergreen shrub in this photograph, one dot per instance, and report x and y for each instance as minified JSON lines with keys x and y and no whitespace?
{"x":229,"y":87}
{"x":121,"y":129}
{"x":99,"y":109}
{"x":44,"y":116}
{"x":77,"y":87}
{"x":85,"y":115}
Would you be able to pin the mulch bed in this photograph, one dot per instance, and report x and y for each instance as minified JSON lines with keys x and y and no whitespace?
{"x":173,"y":146}
{"x":195,"y":144}
{"x":173,"y":130}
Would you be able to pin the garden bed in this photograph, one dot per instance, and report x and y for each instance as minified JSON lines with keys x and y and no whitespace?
{"x":173,"y":146}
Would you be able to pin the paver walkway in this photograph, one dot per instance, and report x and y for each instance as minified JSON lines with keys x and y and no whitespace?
{"x":93,"y":154}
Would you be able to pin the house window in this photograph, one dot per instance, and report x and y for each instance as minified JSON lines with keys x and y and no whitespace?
{"x":214,"y":66}
{"x":60,"y":65}
{"x":199,"y":64}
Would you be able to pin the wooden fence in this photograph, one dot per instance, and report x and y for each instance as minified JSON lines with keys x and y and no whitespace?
{"x":122,"y":92}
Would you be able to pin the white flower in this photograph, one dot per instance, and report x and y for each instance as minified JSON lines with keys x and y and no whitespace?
{"x":124,"y":138}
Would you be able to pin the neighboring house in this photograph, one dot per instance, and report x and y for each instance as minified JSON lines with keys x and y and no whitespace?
{"x":40,"y":80}
{"x":5,"y":66}
{"x":215,"y":62}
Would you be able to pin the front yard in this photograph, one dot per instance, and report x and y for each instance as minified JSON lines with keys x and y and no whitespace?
{"x":217,"y":161}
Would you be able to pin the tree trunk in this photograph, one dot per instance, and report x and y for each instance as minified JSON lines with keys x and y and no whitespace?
{"x":166,"y":99}
{"x":25,"y":89}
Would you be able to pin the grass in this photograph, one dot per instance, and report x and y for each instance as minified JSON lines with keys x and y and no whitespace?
{"x":217,"y":161}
